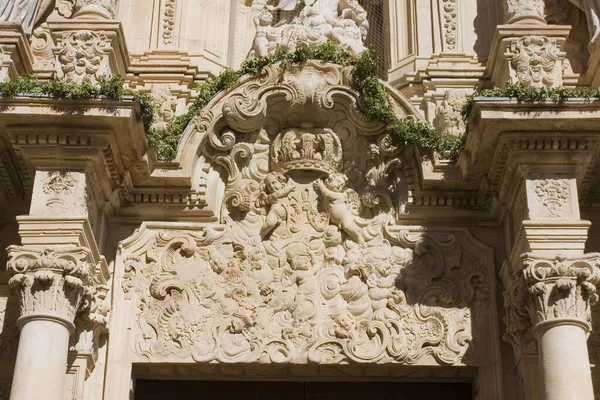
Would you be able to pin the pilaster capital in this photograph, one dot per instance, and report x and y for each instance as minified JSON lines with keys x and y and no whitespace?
{"x":55,"y":283}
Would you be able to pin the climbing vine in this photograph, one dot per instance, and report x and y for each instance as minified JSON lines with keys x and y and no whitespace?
{"x":373,"y":97}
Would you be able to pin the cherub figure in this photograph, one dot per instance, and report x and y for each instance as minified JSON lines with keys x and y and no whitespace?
{"x":276,"y":188}
{"x":334,"y":192}
{"x":262,"y":41}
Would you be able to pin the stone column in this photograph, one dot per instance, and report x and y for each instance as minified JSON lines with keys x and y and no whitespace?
{"x":562,"y":290}
{"x":60,"y":280}
{"x":52,"y":285}
{"x":553,"y":285}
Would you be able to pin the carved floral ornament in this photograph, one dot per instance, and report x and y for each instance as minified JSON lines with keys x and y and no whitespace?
{"x":306,"y":264}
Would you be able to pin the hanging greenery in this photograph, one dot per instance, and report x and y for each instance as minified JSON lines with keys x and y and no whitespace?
{"x":373,"y":96}
{"x":528,"y":94}
{"x":110,"y":87}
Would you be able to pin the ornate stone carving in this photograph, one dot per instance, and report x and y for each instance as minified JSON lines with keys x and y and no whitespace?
{"x":292,"y":21}
{"x":58,"y":185}
{"x":41,"y":46}
{"x":91,"y":326}
{"x":563,"y":288}
{"x":448,"y":119}
{"x":450,"y":17}
{"x":515,"y":10}
{"x":549,"y":292}
{"x":165,"y":103}
{"x":168,"y":21}
{"x":204,"y":300}
{"x":81,"y":55}
{"x":305,"y":264}
{"x":534,"y":60}
{"x":554,"y":195}
{"x":307,"y":149}
{"x":95,"y":8}
{"x":54,"y":283}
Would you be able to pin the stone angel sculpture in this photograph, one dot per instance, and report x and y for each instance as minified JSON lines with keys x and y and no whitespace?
{"x":28,"y":13}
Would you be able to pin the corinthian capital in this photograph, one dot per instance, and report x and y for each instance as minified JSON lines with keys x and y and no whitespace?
{"x":562,"y":289}
{"x":51,"y":283}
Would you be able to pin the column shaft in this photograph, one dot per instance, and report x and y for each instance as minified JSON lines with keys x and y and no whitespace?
{"x":41,"y":364}
{"x":565,"y":363}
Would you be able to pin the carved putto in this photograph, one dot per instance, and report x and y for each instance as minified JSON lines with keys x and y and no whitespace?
{"x":287,"y":22}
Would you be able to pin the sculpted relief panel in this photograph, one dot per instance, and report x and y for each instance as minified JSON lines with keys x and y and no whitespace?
{"x":307,"y":263}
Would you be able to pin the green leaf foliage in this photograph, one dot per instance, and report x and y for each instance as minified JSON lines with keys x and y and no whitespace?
{"x":373,"y":97}
{"x":110,"y":87}
{"x":528,"y":94}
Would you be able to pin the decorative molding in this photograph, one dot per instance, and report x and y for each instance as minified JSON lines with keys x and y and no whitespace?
{"x":81,"y":55}
{"x":169,"y":21}
{"x":450,"y":21}
{"x":534,"y":60}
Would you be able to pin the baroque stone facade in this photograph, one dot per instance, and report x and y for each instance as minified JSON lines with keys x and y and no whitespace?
{"x":291,"y":238}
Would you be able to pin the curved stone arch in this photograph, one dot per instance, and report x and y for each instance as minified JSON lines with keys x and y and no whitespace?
{"x":312,"y":95}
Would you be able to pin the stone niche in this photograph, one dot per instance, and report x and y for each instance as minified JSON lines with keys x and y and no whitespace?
{"x":306,"y":261}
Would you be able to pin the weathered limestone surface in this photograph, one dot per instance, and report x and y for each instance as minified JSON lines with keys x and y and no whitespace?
{"x":289,"y":237}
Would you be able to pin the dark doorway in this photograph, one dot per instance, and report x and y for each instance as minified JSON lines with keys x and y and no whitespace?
{"x":201,"y":390}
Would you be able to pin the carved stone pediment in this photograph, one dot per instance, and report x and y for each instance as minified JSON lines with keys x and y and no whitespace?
{"x":306,"y":262}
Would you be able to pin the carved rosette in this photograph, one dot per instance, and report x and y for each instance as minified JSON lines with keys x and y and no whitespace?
{"x":51,"y":283}
{"x":534,"y":60}
{"x":523,"y":11}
